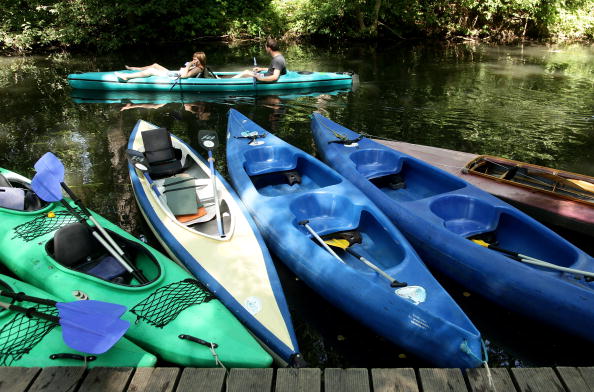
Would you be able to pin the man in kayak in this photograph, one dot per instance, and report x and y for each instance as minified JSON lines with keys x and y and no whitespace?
{"x":276,"y":69}
{"x":190,"y":69}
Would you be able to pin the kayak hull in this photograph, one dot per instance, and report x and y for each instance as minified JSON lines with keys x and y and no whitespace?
{"x":438,"y":212}
{"x":238,"y":268}
{"x":428,"y":323}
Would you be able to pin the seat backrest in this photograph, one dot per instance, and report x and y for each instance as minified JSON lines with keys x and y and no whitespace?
{"x":73,"y":244}
{"x":157,"y":146}
{"x":4,"y":181}
{"x":12,"y":198}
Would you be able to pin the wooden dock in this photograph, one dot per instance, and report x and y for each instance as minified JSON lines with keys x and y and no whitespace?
{"x":170,"y":379}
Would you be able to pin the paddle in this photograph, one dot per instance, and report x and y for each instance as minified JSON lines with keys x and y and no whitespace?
{"x":88,"y":326}
{"x":319,"y":239}
{"x":344,"y":240}
{"x":255,"y":65}
{"x":47,"y":184}
{"x":589,"y":276}
{"x":209,"y":141}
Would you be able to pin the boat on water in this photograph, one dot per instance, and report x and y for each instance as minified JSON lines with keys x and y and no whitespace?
{"x":172,"y":315}
{"x":34,"y":342}
{"x":222,"y":81}
{"x":473,"y":237}
{"x":552,"y":196}
{"x":335,"y":240}
{"x":208,"y":230}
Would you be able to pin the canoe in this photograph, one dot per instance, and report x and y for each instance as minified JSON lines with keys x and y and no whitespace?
{"x":548,"y":207}
{"x":237,"y":268}
{"x":33,"y":342}
{"x":173,"y":315}
{"x":439,"y":213}
{"x":284,"y":188}
{"x":223,"y":82}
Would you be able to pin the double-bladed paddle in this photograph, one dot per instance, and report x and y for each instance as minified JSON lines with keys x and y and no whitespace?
{"x":209,"y":141}
{"x":48,"y":183}
{"x":91,"y":327}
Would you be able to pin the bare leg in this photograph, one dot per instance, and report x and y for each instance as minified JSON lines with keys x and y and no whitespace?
{"x":155,"y":65}
{"x":141,"y":74}
{"x":245,"y":74}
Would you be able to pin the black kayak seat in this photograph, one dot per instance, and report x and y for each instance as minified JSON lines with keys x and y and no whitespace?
{"x":75,"y":248}
{"x":160,"y":154}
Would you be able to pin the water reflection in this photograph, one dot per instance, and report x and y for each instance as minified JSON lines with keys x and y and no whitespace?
{"x":529,"y":103}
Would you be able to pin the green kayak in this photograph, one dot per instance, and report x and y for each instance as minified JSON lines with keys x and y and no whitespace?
{"x":31,"y":342}
{"x":173,"y":315}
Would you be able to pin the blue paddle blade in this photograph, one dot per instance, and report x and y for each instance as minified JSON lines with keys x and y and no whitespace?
{"x":51,"y":164}
{"x":46,"y":187}
{"x":90,"y":307}
{"x":92,"y":334}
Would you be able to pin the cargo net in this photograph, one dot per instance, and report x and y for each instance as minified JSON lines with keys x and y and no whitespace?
{"x":43,"y":224}
{"x":166,"y":303}
{"x":22,"y":333}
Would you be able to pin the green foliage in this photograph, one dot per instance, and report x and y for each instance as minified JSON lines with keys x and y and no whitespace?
{"x":54,"y":24}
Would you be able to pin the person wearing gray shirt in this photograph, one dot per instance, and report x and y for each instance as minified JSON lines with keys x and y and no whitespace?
{"x":276,"y":69}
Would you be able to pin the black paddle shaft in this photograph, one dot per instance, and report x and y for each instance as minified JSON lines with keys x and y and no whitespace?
{"x":32,"y":312}
{"x":20,"y":297}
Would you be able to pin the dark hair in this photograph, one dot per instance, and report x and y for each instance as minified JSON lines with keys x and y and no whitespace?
{"x":272,"y":44}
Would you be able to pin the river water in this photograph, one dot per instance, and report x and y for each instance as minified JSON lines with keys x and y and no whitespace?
{"x":531,"y":103}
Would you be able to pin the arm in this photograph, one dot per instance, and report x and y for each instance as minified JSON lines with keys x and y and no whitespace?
{"x":271,"y":78}
{"x":191,"y":69}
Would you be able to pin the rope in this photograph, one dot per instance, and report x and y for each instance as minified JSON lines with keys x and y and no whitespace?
{"x":217,"y":360}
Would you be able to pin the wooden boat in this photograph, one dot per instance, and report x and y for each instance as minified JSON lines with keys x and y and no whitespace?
{"x":538,"y":196}
{"x":235,"y":266}
{"x":296,"y":200}
{"x":222,"y":82}
{"x":468,"y":234}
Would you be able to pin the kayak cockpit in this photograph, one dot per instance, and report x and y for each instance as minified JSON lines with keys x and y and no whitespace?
{"x":74,"y":247}
{"x":276,"y":171}
{"x":181,"y":183}
{"x":16,"y":194}
{"x":347,"y":227}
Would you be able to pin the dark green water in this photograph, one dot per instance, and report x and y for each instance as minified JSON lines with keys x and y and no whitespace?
{"x":531,"y":103}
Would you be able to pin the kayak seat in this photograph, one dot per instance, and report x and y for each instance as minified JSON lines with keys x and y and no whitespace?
{"x":373,"y":163}
{"x":4,"y":182}
{"x":163,"y":159}
{"x":182,"y":198}
{"x":269,"y":159}
{"x":327,"y":213}
{"x":465,"y":216}
{"x":75,"y":247}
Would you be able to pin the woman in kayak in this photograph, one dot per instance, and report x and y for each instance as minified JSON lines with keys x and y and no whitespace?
{"x":190,"y":69}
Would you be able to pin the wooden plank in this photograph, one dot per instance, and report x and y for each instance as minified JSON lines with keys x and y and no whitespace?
{"x":479,"y":380}
{"x":394,"y":380}
{"x":58,"y":378}
{"x":250,"y":380}
{"x":162,"y":379}
{"x":346,"y":380}
{"x":573,"y":380}
{"x":537,"y":379}
{"x":588,"y":375}
{"x":298,"y":380}
{"x":442,"y":380}
{"x":16,"y":379}
{"x":102,"y":379}
{"x":201,"y":380}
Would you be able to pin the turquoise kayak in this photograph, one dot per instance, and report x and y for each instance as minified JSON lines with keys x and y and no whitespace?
{"x":32,"y":342}
{"x":223,"y":82}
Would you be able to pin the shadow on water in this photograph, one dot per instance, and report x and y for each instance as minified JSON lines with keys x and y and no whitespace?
{"x":531,"y":103}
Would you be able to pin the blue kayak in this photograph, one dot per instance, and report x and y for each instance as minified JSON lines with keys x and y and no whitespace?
{"x":222,"y":82}
{"x":330,"y":235}
{"x":465,"y":233}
